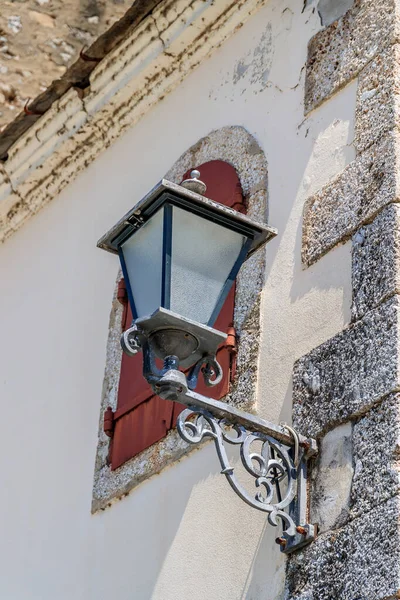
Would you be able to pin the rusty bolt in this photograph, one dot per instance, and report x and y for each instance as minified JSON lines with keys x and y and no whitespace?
{"x":301,"y":530}
{"x":306,"y":445}
{"x":281,"y":541}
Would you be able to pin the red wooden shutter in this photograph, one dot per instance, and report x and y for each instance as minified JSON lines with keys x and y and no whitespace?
{"x":141,"y":418}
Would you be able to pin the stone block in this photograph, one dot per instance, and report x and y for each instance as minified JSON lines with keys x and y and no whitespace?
{"x":339,"y":52}
{"x":376,"y":261}
{"x":376,"y":449}
{"x":378,"y":98}
{"x":367,"y":184}
{"x":358,"y":562}
{"x":349,"y":373}
{"x":331,"y":487}
{"x":358,"y":467}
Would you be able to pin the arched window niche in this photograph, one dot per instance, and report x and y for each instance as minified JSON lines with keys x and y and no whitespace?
{"x":238,"y":147}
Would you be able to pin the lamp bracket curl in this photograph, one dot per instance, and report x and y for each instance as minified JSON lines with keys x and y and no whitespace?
{"x":131,"y":341}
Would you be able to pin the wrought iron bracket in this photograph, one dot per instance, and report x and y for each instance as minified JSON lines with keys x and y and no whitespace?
{"x":275,"y":456}
{"x":282,"y":460}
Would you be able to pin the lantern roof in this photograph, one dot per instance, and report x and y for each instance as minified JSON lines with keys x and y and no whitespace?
{"x":167,"y":191}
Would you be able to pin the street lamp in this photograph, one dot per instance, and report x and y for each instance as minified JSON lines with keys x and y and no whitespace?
{"x":180,"y":253}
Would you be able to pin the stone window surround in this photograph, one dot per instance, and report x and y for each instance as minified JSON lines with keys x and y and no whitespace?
{"x":239,"y":148}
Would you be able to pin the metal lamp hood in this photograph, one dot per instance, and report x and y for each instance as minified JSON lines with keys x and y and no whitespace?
{"x":192,"y":201}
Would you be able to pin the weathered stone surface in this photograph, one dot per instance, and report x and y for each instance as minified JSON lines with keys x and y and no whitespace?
{"x":338,"y":53}
{"x":358,"y":562}
{"x":376,"y":448}
{"x":354,"y":376}
{"x":378,"y":98}
{"x":346,"y":375}
{"x":358,"y":467}
{"x":376,"y":261}
{"x":351,"y":199}
{"x":330,"y":491}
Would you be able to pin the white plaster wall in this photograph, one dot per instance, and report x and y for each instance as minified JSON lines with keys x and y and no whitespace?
{"x":182,"y":534}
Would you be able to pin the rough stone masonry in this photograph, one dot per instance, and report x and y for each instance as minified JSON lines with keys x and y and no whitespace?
{"x":346,"y":391}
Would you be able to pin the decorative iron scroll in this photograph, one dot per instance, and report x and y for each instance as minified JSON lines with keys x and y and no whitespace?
{"x":270,"y":466}
{"x":133,"y":340}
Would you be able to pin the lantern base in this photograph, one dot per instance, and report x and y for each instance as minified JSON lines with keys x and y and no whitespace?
{"x":176,"y":342}
{"x":171,"y":334}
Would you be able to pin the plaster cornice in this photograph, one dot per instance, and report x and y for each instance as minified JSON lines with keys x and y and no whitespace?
{"x":149,"y":63}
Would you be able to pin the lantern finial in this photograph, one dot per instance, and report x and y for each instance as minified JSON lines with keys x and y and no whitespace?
{"x":194,"y":184}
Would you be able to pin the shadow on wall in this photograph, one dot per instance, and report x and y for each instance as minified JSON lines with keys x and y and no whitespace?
{"x":167,"y":507}
{"x":134,"y":530}
{"x":256,"y":583}
{"x":206,"y":545}
{"x":332,"y":151}
{"x":314,"y":303}
{"x":210,"y":545}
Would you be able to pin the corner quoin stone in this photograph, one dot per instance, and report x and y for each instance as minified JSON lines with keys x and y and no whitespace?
{"x":354,"y":376}
{"x":376,"y":456}
{"x":358,"y":562}
{"x":353,"y":198}
{"x":358,"y":467}
{"x":348,"y":374}
{"x":376,"y":261}
{"x":339,"y":52}
{"x":378,"y":99}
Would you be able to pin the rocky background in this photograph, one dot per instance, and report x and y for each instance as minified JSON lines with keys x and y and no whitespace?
{"x":39,"y":39}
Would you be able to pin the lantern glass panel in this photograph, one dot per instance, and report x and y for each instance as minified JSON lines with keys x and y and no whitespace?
{"x":143,"y":257}
{"x":203,"y":254}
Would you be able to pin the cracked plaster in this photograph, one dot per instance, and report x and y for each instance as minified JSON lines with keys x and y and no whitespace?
{"x":331,"y":10}
{"x":333,"y":474}
{"x":236,"y":146}
{"x":148,"y":63}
